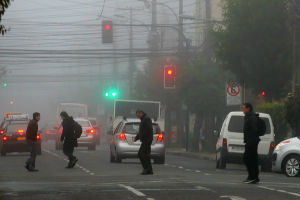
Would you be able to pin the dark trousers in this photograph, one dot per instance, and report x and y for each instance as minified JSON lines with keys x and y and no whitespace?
{"x":33,"y":151}
{"x":145,"y":155}
{"x":251,"y":160}
{"x":68,"y":149}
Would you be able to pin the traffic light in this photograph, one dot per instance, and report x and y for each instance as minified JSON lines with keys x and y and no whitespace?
{"x":4,"y":84}
{"x":112,"y":94}
{"x":263,"y":93}
{"x":169,"y":77}
{"x":107,"y":31}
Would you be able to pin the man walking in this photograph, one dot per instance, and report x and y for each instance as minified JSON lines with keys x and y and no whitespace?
{"x":31,"y":137}
{"x":145,"y":134}
{"x":69,"y":138}
{"x":251,"y":140}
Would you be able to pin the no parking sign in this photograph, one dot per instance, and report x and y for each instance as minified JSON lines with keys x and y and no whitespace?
{"x":233,"y":94}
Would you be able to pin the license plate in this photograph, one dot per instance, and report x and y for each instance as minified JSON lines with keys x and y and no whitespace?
{"x":237,"y":148}
{"x":21,"y":138}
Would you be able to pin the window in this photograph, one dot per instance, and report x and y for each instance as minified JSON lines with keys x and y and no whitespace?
{"x":236,"y":124}
{"x":133,"y":128}
{"x":13,"y":128}
{"x":84,"y":123}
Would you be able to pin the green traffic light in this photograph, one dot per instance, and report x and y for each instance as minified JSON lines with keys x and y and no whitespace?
{"x":5,"y":84}
{"x":106,"y":94}
{"x":111,"y":94}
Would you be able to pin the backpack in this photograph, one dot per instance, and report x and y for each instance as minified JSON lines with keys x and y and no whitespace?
{"x":261,"y":126}
{"x":77,"y":129}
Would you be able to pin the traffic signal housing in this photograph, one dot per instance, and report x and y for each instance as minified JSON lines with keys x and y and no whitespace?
{"x":111,"y":94}
{"x":107,"y":31}
{"x":169,"y":77}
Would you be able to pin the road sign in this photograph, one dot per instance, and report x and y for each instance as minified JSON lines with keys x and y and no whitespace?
{"x":233,"y":94}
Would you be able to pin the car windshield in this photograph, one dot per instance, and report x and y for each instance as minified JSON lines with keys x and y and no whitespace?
{"x":84,"y":123}
{"x":237,"y":122}
{"x":13,"y":128}
{"x":133,"y":128}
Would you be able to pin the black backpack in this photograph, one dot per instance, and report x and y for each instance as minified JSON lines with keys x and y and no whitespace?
{"x":77,"y":129}
{"x":261,"y":126}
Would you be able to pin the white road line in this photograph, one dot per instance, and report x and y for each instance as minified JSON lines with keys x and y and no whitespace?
{"x":150,"y":199}
{"x":207,"y":174}
{"x":134,"y":191}
{"x":198,"y":171}
{"x":281,"y":191}
{"x":233,"y":197}
{"x":180,"y":167}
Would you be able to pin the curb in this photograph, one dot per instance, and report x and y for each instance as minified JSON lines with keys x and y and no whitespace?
{"x":191,"y":155}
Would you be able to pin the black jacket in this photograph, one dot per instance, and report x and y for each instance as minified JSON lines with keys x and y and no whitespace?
{"x":68,"y":134}
{"x":32,"y":130}
{"x":145,"y":130}
{"x":251,"y":135}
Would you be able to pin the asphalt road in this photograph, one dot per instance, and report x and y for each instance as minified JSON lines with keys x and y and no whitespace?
{"x":96,"y":178}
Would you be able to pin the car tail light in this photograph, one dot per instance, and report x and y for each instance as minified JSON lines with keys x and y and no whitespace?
{"x":20,"y":131}
{"x":61,"y":131}
{"x":38,"y":137}
{"x":225,"y":142}
{"x":91,"y":131}
{"x":122,"y":136}
{"x":48,"y":132}
{"x":4,"y":138}
{"x":160,"y":137}
{"x":1,"y":132}
{"x":272,"y":145}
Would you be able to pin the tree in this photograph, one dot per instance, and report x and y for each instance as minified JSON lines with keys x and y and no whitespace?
{"x":254,"y":43}
{"x":3,"y":6}
{"x":202,"y":88}
{"x":292,"y":110}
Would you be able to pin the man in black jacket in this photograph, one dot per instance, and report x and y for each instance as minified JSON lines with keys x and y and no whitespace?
{"x":31,"y":137}
{"x":251,"y":140}
{"x":145,"y":135}
{"x":69,"y":138}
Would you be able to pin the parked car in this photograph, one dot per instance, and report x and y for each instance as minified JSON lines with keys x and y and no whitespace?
{"x":14,"y":138}
{"x":122,"y":143}
{"x":286,"y":157}
{"x":87,"y":138}
{"x":230,"y":146}
{"x":97,"y":129}
{"x":48,"y":132}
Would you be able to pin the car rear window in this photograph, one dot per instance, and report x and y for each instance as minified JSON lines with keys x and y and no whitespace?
{"x":236,"y":124}
{"x":84,"y":123}
{"x":133,"y":128}
{"x":13,"y":128}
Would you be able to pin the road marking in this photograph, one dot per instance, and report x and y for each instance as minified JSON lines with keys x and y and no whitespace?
{"x":207,"y":174}
{"x":180,"y":167}
{"x":188,"y":170}
{"x":233,"y":197}
{"x":198,"y":171}
{"x":203,"y":188}
{"x":281,"y":191}
{"x":134,"y":191}
{"x":150,"y":199}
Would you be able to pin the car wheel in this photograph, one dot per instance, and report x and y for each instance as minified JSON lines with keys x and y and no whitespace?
{"x":3,"y":152}
{"x":160,"y":160}
{"x":291,"y":166}
{"x":223,"y":162}
{"x":92,"y":147}
{"x":266,"y":166}
{"x":217,"y":162}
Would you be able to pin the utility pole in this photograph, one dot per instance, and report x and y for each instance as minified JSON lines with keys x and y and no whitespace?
{"x":180,"y":27}
{"x":154,"y":45}
{"x":131,"y":59}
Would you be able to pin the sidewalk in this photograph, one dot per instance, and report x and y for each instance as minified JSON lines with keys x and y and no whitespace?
{"x":198,"y":155}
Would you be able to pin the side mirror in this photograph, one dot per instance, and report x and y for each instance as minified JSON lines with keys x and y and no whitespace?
{"x":216,"y":133}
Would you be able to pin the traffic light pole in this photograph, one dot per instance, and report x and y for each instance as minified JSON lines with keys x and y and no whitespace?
{"x":131,"y":59}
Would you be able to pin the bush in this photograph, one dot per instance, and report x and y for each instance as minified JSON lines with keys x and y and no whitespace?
{"x":277,"y":112}
{"x":292,"y":112}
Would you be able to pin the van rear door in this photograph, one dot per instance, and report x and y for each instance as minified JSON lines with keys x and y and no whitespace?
{"x":234,"y":134}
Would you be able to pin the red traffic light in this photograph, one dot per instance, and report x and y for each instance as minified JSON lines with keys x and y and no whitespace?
{"x":263,"y":93}
{"x":170,"y":72}
{"x":107,"y":26}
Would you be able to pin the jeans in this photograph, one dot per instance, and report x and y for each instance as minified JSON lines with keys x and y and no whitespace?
{"x":145,"y":155}
{"x":251,"y":160}
{"x":68,"y":149}
{"x":33,"y":152}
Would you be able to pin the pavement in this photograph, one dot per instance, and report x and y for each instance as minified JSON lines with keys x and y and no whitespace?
{"x":94,"y":177}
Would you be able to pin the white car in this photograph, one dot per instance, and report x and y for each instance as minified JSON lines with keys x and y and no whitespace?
{"x":286,"y":157}
{"x":230,"y":146}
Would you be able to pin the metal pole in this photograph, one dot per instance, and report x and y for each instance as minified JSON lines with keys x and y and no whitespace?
{"x":180,"y":26}
{"x":131,"y":59}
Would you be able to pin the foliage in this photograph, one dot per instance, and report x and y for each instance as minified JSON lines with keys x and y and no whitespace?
{"x":3,"y":6}
{"x":277,"y":112}
{"x":253,"y":42}
{"x":292,"y":108}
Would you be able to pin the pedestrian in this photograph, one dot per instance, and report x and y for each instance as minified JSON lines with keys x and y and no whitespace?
{"x":145,"y":135}
{"x":69,"y":138}
{"x":31,"y":138}
{"x":251,"y":140}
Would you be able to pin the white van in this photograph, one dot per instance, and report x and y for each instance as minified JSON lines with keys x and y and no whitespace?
{"x":230,"y":145}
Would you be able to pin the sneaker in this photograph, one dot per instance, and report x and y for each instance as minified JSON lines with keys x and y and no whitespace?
{"x":249,"y":181}
{"x":74,"y":162}
{"x":147,"y":172}
{"x":33,"y":170}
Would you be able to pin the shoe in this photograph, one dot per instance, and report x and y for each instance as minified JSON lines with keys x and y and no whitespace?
{"x":74,"y":162}
{"x":33,"y":170}
{"x":147,"y":172}
{"x":255,"y":181}
{"x":249,"y":181}
{"x":27,"y":167}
